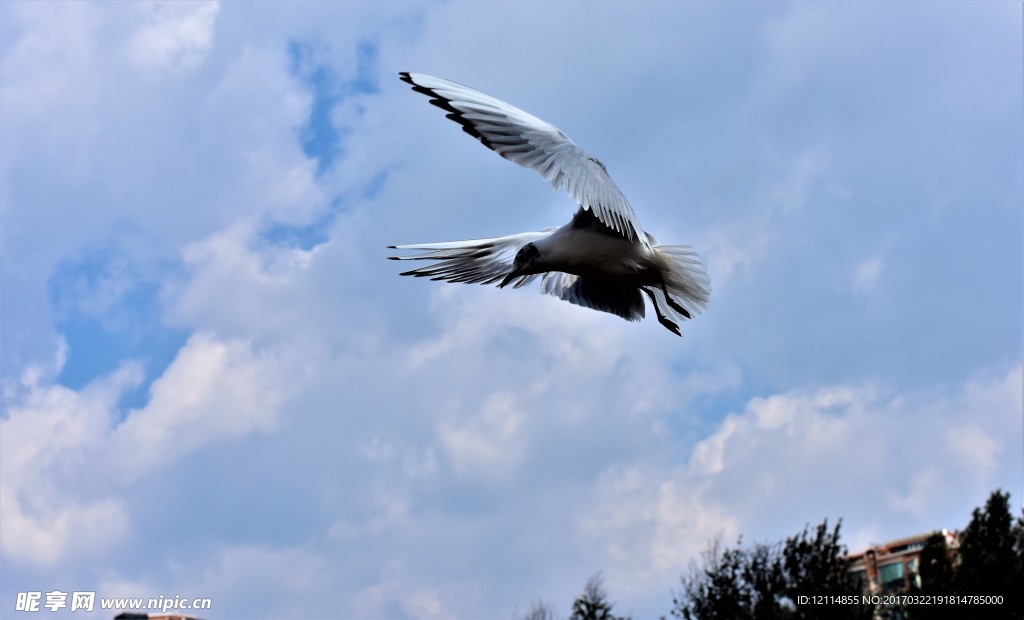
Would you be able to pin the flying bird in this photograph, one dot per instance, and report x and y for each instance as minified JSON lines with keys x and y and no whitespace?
{"x":602,"y":259}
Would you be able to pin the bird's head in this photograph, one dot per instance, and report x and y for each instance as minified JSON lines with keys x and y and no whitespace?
{"x":526,"y":263}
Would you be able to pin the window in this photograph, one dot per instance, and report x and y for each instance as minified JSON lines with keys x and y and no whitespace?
{"x":891,"y":576}
{"x":915,"y":573}
{"x":860,"y":578}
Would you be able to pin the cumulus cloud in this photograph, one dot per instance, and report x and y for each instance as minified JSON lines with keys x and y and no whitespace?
{"x":174,"y":36}
{"x":212,"y":391}
{"x":398,"y":593}
{"x":487,"y":443}
{"x":67,"y":455}
{"x":763,"y":466}
{"x":47,"y":72}
{"x":48,"y":433}
{"x":648,"y":526}
{"x":432,"y":450}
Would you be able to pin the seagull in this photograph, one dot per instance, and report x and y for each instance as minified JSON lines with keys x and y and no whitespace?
{"x":602,"y":259}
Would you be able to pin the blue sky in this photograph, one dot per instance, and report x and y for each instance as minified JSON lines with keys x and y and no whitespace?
{"x":215,"y":385}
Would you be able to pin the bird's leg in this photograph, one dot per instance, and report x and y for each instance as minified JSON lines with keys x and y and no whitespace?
{"x":668,"y":323}
{"x":673,"y":303}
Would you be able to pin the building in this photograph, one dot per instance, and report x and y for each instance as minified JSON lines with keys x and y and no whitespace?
{"x":893,"y":566}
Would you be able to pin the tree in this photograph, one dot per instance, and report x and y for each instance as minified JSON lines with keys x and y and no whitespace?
{"x":539,"y":610}
{"x":766,"y":582}
{"x":935,"y":566}
{"x":1018,"y":538}
{"x":817,"y":566}
{"x":991,"y":557}
{"x":989,"y":560}
{"x":593,"y":603}
{"x":987,"y":549}
{"x":935,"y":569}
{"x":732,"y":583}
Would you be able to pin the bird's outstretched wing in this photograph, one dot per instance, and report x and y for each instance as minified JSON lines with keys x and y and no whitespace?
{"x":528,"y":141}
{"x":476,"y":261}
{"x":619,"y":299}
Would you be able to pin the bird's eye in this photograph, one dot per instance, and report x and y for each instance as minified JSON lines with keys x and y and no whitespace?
{"x":527,"y":253}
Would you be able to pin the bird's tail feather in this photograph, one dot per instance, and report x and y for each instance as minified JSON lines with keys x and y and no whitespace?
{"x":686,"y":281}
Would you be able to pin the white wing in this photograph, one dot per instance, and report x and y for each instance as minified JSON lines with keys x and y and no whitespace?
{"x":483,"y":261}
{"x":528,"y":141}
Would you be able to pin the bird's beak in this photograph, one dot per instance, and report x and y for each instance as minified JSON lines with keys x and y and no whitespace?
{"x":511,"y":276}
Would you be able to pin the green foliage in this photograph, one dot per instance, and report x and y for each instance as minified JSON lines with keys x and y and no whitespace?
{"x":988,"y":554}
{"x":989,"y":560}
{"x":776,"y":581}
{"x":991,"y":557}
{"x":816,"y":565}
{"x":593,"y":603}
{"x":722,"y":589}
{"x":935,"y":566}
{"x":765,"y":576}
{"x":766,"y":582}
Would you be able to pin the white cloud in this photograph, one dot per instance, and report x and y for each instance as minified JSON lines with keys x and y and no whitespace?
{"x":66,"y":457}
{"x":804,"y":172}
{"x":973,"y":448}
{"x":397,"y":590}
{"x":428,"y":430}
{"x":212,"y":391}
{"x":91,"y":152}
{"x":175,"y":37}
{"x":486,"y":444}
{"x":48,"y":434}
{"x":925,"y":485}
{"x":47,"y":89}
{"x":724,"y":255}
{"x":648,"y":526}
{"x":883,"y":463}
{"x":231,"y":575}
{"x":246,"y":569}
{"x":866,"y":274}
{"x":779,"y":445}
{"x":235,"y":288}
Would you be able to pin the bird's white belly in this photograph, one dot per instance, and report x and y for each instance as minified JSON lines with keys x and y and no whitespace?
{"x":592,"y":253}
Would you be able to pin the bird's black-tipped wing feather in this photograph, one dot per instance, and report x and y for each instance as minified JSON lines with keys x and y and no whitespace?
{"x":477,"y":261}
{"x":528,"y":141}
